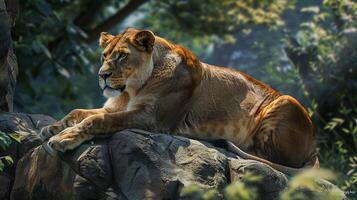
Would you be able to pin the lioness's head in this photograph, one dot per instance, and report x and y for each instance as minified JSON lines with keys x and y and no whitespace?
{"x":126,"y":61}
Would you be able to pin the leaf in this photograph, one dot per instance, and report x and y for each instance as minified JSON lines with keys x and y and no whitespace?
{"x":40,"y":48}
{"x":15,"y":136}
{"x":251,"y":177}
{"x":5,"y":140}
{"x":311,"y":9}
{"x":8,"y":159}
{"x":44,"y":8}
{"x":334,"y":123}
{"x":239,"y":190}
{"x":63,"y":71}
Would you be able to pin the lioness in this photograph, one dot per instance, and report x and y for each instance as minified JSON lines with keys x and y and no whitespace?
{"x":158,"y":86}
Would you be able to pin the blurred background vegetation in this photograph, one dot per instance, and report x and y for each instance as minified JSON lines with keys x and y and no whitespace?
{"x":306,"y":48}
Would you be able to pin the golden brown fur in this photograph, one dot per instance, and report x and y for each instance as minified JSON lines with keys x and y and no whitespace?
{"x":155,"y":85}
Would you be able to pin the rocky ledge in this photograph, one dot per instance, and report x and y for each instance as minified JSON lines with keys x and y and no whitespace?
{"x":132,"y":164}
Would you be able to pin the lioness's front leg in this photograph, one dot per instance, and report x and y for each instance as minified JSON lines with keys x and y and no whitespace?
{"x":71,"y":119}
{"x":99,"y":125}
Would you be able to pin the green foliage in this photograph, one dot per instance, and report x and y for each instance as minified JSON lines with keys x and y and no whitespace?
{"x":55,"y":62}
{"x":195,"y":192}
{"x":198,"y":17}
{"x":341,"y":135}
{"x":305,"y":185}
{"x":201,"y":25}
{"x":5,"y":160}
{"x":16,"y":137}
{"x":239,"y":190}
{"x":5,"y":141}
{"x":329,"y":76}
{"x":245,"y":190}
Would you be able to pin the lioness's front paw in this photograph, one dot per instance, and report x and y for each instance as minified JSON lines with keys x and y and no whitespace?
{"x":58,"y":144}
{"x":68,"y":139}
{"x":46,"y":132}
{"x":57,"y":127}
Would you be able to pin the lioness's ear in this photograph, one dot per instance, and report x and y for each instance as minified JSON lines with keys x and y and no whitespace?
{"x":104,"y":39}
{"x":144,"y":40}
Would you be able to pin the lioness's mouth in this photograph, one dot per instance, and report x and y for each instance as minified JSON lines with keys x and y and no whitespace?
{"x":120,"y":88}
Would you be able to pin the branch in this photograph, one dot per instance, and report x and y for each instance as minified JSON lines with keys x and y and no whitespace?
{"x":87,"y":15}
{"x":12,"y":7}
{"x":299,"y":58}
{"x":5,"y":34}
{"x":115,"y":19}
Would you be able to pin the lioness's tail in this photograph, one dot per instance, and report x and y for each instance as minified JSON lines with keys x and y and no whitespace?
{"x":314,"y":163}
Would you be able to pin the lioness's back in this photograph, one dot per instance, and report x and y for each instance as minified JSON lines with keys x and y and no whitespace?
{"x":230,"y":91}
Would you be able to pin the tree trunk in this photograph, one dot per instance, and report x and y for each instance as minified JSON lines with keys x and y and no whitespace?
{"x":8,"y":62}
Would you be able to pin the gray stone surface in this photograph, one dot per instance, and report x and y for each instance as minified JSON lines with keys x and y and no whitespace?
{"x":132,"y":164}
{"x":27,"y":126}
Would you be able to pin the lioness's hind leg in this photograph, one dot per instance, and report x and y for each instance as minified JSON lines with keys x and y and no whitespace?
{"x":286,"y":133}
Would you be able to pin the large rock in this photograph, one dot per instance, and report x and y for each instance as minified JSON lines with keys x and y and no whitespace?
{"x":27,"y":126}
{"x":135,"y":164}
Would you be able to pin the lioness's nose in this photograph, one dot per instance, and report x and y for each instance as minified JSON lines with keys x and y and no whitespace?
{"x":105,"y":75}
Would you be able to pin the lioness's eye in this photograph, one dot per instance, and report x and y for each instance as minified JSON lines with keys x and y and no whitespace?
{"x":122,"y":56}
